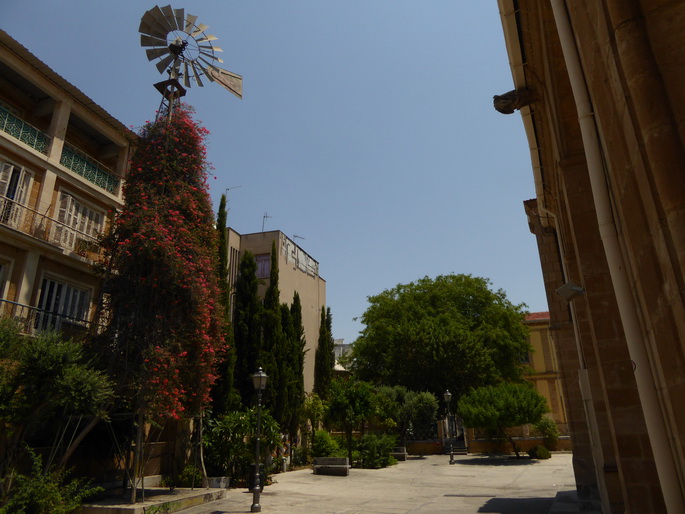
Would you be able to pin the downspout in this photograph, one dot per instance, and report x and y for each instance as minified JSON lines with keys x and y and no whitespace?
{"x":649,"y":399}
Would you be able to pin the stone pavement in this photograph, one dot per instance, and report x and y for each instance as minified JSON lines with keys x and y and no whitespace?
{"x":474,"y":484}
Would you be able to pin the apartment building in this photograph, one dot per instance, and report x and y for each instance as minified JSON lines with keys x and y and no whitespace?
{"x":544,"y":366}
{"x":598,"y":84}
{"x":297,"y":272}
{"x":62,"y":162}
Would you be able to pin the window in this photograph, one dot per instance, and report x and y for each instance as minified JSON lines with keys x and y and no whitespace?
{"x":14,"y":187}
{"x":77,"y":221}
{"x":263,"y":265}
{"x":61,"y":302}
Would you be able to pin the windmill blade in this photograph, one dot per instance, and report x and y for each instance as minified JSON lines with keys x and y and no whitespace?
{"x":200,"y":29}
{"x":229,"y":81}
{"x":180,"y":16}
{"x":211,"y":56}
{"x":162,"y":65}
{"x":210,"y":47}
{"x":204,"y":70}
{"x":169,"y":17}
{"x":208,"y":37}
{"x":196,"y":75}
{"x":190,"y":23}
{"x":156,"y":53}
{"x":154,"y":23}
{"x":186,"y":75}
{"x":151,"y":41}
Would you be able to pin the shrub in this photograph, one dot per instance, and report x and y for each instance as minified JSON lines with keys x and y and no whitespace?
{"x":47,"y":493}
{"x":539,"y":452}
{"x":229,"y":443}
{"x":324,"y":445}
{"x":190,"y":477}
{"x":375,"y":451}
{"x":549,"y":430}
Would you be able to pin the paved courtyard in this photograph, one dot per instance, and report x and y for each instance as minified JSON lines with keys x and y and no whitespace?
{"x":474,"y":484}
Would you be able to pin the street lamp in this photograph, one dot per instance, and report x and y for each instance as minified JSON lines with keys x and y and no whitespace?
{"x":448,"y":398}
{"x":259,"y":382}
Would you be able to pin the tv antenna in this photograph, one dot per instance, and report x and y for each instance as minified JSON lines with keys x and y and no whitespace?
{"x":264,"y":218}
{"x":185,"y":51}
{"x":295,"y":236}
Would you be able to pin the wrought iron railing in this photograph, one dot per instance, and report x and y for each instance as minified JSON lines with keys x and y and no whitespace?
{"x":71,"y":158}
{"x":24,"y":132}
{"x":33,"y":319}
{"x":31,"y":222}
{"x":89,"y":168}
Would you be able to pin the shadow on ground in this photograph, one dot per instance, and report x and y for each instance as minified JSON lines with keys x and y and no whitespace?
{"x":497,"y":460}
{"x":517,"y":505}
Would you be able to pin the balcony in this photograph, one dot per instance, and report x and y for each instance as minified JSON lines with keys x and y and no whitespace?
{"x":29,"y":221}
{"x":27,"y":134}
{"x":33,"y":319}
{"x":88,"y":168}
{"x":72,"y":158}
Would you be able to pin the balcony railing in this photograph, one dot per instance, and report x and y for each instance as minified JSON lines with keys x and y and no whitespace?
{"x":89,"y":168}
{"x":71,"y":158}
{"x":33,"y":319}
{"x":19,"y":129}
{"x":31,"y":222}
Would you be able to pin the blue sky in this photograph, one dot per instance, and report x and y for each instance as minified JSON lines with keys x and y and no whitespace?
{"x":366,"y":128}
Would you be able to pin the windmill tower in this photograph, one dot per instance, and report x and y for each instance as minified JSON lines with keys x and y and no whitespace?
{"x":186,"y":52}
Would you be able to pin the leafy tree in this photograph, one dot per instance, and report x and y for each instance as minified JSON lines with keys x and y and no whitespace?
{"x":42,"y":378}
{"x":350,"y":404}
{"x":324,"y":359}
{"x":247,"y":326}
{"x":451,"y":332}
{"x":498,"y":407}
{"x":224,"y":395}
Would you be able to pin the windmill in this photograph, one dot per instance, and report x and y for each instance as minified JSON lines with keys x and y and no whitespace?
{"x":185,"y":51}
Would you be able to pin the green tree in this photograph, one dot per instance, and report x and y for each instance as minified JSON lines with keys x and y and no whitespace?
{"x":272,"y":356}
{"x":296,"y":354}
{"x":350,"y":404}
{"x":324,"y":359}
{"x":224,"y":394}
{"x":451,"y":332}
{"x":498,"y":407}
{"x":42,"y":379}
{"x":247,"y":327}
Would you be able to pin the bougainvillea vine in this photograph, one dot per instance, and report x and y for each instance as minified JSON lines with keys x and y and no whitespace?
{"x":164,"y":338}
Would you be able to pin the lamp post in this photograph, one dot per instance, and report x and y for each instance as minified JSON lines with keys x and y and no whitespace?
{"x":259,"y":382}
{"x":448,"y":398}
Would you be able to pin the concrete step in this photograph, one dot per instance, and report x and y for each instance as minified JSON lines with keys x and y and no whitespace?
{"x":161,"y":498}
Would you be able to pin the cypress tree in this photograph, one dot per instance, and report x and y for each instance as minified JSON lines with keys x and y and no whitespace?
{"x":224,"y":395}
{"x":271,"y":357}
{"x":324,"y":358}
{"x":247,"y":328}
{"x":296,"y":353}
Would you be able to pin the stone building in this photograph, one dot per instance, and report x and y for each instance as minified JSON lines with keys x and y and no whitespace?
{"x":599,"y":88}
{"x":297,"y":272}
{"x":62,"y":162}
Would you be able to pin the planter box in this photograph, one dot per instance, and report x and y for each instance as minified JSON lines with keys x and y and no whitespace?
{"x":218,"y":482}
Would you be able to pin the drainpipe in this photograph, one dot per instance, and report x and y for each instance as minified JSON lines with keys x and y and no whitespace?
{"x":649,"y":399}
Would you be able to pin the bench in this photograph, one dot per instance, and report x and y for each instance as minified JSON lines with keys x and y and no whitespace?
{"x":400,"y":453}
{"x":338,"y":466}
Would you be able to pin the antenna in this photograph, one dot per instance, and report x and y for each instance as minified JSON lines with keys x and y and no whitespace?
{"x":264,"y":218}
{"x":184,"y":51}
{"x":295,"y":236}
